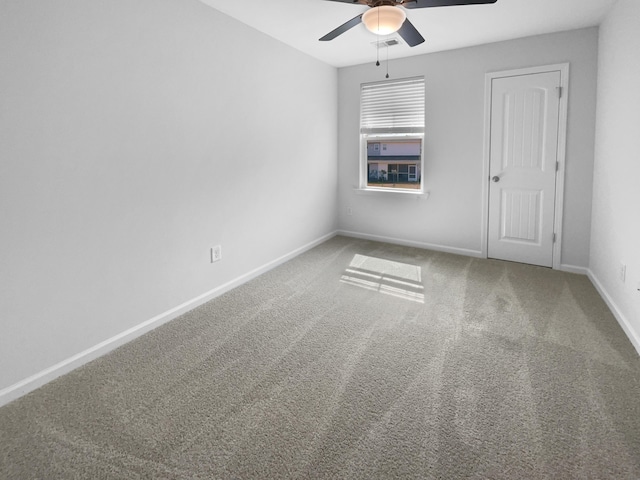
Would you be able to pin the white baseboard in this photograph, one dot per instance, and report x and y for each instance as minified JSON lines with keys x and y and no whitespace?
{"x":411,"y":243}
{"x":634,"y":336}
{"x":574,"y":269}
{"x":37,"y":380}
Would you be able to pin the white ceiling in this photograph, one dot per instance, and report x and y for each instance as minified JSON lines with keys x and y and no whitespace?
{"x":300,"y":23}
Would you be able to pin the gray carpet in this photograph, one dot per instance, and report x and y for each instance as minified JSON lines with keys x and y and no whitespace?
{"x":354,"y":360}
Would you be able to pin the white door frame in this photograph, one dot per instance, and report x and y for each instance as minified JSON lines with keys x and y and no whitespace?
{"x":563,"y":68}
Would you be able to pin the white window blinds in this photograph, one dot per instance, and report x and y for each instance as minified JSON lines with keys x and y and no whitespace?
{"x":395,"y":106}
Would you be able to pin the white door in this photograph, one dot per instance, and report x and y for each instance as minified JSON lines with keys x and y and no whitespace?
{"x":522,"y":167}
{"x":413,"y":173}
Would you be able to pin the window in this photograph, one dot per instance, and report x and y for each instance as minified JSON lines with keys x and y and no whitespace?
{"x":392,"y":132}
{"x":394,"y":162}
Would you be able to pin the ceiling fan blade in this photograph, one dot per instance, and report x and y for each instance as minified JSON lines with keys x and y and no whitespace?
{"x":361,"y":2}
{"x":342,"y":28}
{"x":409,"y":34}
{"x":442,"y":3}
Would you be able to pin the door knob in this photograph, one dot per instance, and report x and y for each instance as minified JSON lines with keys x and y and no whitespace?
{"x":495,"y":178}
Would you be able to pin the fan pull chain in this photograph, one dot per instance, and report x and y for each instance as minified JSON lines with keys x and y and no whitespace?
{"x":387,"y":76}
{"x":378,"y":43}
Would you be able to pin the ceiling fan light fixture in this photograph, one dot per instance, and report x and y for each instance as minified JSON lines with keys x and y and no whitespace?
{"x":384,"y":20}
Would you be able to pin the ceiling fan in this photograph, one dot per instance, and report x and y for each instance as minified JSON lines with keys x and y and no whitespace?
{"x":388,"y":16}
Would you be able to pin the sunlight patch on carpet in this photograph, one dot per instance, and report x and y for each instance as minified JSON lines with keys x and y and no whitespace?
{"x":397,"y":279}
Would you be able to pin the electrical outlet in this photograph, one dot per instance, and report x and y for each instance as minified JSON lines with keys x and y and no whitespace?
{"x":216,"y":253}
{"x":349,"y":211}
{"x":623,"y":272}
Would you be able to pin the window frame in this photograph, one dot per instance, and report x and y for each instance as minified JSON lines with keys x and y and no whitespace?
{"x":389,"y":127}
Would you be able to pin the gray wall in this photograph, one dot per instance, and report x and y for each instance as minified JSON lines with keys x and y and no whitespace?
{"x":451,"y":218}
{"x":134,"y":135}
{"x":615,"y":233}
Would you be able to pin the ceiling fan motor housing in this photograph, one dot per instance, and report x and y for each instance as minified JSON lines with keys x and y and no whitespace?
{"x":384,"y":20}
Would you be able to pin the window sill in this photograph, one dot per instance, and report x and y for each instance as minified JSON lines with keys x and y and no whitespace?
{"x":418,"y":195}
